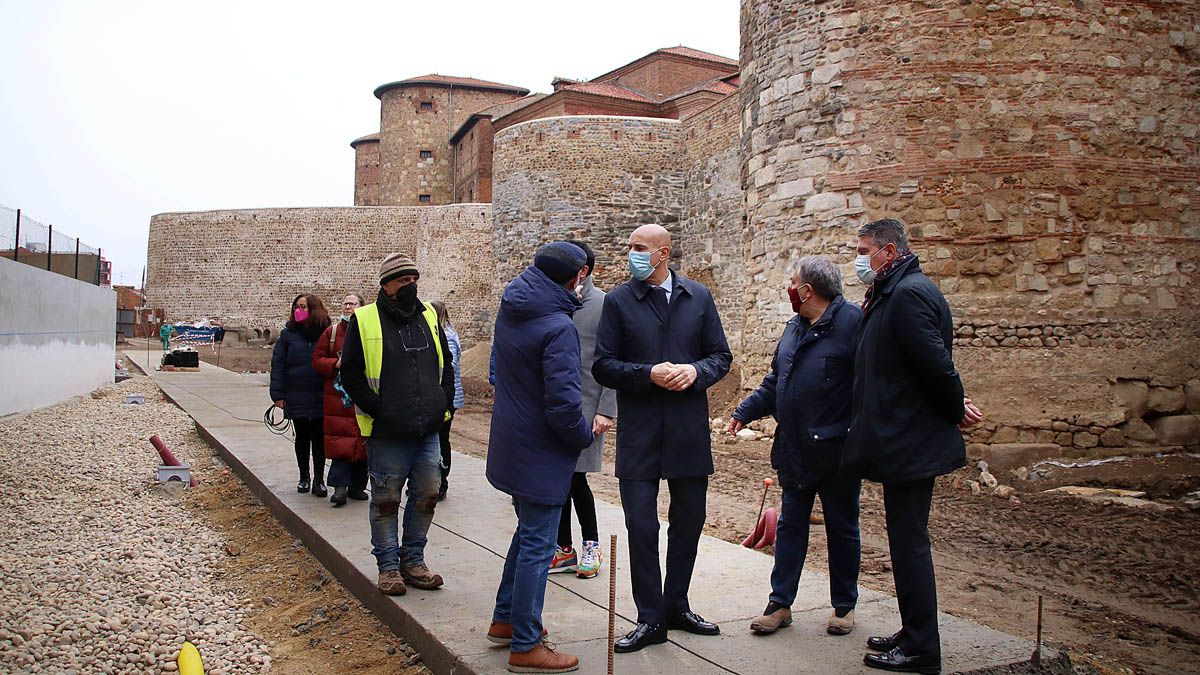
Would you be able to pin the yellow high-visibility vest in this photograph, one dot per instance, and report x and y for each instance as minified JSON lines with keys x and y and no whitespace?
{"x":370,"y":333}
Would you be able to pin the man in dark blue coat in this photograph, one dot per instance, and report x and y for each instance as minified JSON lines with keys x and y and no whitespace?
{"x":661,"y":346}
{"x":808,"y":392}
{"x":538,"y":431}
{"x":908,"y":406}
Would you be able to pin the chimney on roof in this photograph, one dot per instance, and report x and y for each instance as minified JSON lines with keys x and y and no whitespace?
{"x":560,"y":82}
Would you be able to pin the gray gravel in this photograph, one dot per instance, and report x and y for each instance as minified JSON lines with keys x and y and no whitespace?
{"x":101,"y":570}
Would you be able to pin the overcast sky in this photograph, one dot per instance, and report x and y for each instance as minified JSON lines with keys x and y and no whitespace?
{"x":111,"y":112}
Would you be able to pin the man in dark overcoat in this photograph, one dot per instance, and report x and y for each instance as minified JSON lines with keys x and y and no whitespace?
{"x":908,"y":406}
{"x":660,"y":345}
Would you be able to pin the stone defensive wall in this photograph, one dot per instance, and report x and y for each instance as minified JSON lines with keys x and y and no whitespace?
{"x":594,"y":178}
{"x":1044,"y":158}
{"x":243,"y":267}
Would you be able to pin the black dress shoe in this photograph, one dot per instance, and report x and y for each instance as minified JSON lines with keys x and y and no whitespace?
{"x":360,"y":495}
{"x":881,"y":643}
{"x":339,"y":496}
{"x":302,"y":486}
{"x":643,"y":636}
{"x":693,"y":623}
{"x":897,"y":662}
{"x":319,"y":490}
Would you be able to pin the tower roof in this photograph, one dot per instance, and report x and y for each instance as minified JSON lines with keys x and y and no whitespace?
{"x":450,"y":81}
{"x":369,"y":138}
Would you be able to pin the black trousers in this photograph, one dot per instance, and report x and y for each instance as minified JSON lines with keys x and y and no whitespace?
{"x":655,"y":599}
{"x":310,"y":435}
{"x":351,"y":475}
{"x":907,"y":514}
{"x":444,"y":439}
{"x":585,"y":506}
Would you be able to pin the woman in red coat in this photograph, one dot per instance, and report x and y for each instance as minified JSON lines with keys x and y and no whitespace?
{"x":343,"y":444}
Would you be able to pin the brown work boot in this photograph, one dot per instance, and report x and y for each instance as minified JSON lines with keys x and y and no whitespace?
{"x":501,"y":633}
{"x":391,"y":583}
{"x":840,"y":625}
{"x":419,"y":576}
{"x":774,"y":617}
{"x":542,"y":659}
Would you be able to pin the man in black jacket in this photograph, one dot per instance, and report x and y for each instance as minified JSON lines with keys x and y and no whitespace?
{"x":908,"y":406}
{"x":660,"y":345}
{"x":396,"y":367}
{"x":808,"y":392}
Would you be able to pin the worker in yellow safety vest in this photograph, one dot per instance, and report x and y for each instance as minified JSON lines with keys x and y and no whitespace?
{"x":396,"y":368}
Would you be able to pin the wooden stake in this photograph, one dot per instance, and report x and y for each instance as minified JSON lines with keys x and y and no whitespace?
{"x":1037,"y":651}
{"x":612,"y":599}
{"x":766,"y":486}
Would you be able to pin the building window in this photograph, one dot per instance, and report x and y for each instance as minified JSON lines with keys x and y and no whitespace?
{"x":426,"y":105}
{"x":425,"y":199}
{"x":426,"y":154}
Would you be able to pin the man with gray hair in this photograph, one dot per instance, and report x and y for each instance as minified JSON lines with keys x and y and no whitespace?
{"x":908,"y":407}
{"x":808,"y":392}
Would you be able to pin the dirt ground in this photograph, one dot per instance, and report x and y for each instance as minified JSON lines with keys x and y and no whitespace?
{"x":1119,"y":583}
{"x":322,"y":630}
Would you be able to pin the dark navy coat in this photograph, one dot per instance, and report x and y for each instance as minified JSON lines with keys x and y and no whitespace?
{"x":808,"y":391}
{"x":661,"y":433}
{"x":908,"y":398}
{"x":538,"y":428}
{"x":293,"y":378}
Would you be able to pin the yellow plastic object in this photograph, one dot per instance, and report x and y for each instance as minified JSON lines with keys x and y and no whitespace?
{"x":189,"y":660}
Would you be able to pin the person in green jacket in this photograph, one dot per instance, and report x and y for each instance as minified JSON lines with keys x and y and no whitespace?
{"x":164,"y":334}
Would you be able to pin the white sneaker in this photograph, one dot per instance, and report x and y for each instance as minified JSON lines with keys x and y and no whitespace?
{"x":590,"y":560}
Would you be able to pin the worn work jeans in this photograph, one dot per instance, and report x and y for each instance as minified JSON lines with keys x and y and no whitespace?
{"x":839,"y":503}
{"x":392,"y":463}
{"x":523,"y":583}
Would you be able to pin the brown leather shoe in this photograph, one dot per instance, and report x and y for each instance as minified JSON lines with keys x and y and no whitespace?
{"x":542,"y":659}
{"x":419,"y":576}
{"x":501,"y":633}
{"x":391,"y":583}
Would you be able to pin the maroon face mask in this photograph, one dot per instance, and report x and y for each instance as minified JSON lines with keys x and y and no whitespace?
{"x":794,"y":296}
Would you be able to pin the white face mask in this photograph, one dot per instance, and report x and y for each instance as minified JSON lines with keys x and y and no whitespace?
{"x":862,"y":267}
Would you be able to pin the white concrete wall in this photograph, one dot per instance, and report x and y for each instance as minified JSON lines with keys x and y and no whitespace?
{"x":57,"y":337}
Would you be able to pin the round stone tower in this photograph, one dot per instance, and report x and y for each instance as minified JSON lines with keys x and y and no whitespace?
{"x":366,"y":170}
{"x":417,"y":118}
{"x":1043,"y":156}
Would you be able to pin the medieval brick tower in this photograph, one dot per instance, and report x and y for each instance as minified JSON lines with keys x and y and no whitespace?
{"x":416,"y":120}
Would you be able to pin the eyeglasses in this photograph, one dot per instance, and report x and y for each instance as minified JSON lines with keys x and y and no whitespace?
{"x":415,"y":347}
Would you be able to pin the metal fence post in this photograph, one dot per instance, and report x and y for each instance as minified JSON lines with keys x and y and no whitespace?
{"x":76,"y":257}
{"x":17,"y":240}
{"x":49,"y":246}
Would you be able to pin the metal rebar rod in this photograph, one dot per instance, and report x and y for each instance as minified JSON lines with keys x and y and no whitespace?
{"x":612,"y":599}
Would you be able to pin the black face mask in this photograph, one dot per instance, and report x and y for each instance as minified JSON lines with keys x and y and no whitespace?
{"x":405,"y":298}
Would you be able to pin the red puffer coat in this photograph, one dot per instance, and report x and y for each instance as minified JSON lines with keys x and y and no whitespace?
{"x":342,"y":440}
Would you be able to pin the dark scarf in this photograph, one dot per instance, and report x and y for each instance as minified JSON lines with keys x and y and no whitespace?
{"x":310,"y":331}
{"x":883,"y":274}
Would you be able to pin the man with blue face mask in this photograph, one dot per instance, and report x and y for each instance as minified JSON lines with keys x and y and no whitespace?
{"x":908,"y":406}
{"x":660,"y":345}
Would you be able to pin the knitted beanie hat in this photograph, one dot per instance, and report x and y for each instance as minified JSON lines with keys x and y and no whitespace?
{"x":560,"y":260}
{"x":397,"y":265}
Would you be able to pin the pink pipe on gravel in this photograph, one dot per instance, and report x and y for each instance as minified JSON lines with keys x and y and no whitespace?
{"x":169,"y":457}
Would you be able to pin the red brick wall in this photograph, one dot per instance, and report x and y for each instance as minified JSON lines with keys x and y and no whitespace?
{"x":366,"y":173}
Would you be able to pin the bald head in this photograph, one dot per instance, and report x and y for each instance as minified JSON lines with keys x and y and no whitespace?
{"x":653,"y":236}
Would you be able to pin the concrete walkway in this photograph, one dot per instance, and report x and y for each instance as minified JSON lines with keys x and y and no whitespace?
{"x":470,"y":535}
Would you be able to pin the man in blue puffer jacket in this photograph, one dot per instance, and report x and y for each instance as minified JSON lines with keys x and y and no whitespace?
{"x":538,"y":431}
{"x":808,"y":392}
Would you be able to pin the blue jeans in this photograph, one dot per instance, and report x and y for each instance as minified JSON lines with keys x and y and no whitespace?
{"x":523,"y":585}
{"x":392,"y":463}
{"x":839,"y":502}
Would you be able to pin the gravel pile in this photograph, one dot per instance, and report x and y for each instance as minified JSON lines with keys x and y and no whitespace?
{"x":101,"y":569}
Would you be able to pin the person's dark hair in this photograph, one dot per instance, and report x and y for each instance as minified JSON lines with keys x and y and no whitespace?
{"x":587,"y":250}
{"x":886,"y":231}
{"x":820,"y":273}
{"x":317,"y":316}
